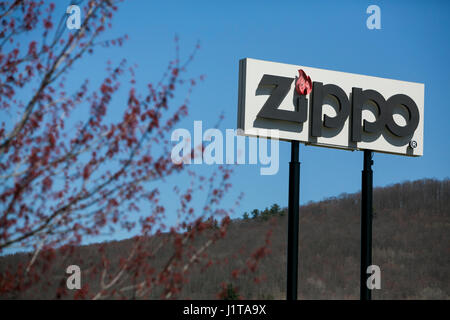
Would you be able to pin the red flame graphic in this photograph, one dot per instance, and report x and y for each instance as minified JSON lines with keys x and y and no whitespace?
{"x":303,"y":85}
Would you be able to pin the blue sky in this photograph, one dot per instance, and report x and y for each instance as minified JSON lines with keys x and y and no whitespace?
{"x":412,"y":46}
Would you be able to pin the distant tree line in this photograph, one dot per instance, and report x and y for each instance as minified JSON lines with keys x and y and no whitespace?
{"x":410,"y":244}
{"x":266,"y":214}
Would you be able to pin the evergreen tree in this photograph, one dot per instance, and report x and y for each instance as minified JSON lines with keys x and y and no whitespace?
{"x":255,"y":213}
{"x":230,"y":293}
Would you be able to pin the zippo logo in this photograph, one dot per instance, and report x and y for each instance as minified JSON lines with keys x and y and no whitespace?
{"x":384,"y":119}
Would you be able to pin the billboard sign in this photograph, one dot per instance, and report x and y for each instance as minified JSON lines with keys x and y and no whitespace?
{"x":330,"y":108}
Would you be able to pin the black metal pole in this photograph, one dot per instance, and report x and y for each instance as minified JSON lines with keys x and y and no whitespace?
{"x":366,"y":224}
{"x":293,"y":219}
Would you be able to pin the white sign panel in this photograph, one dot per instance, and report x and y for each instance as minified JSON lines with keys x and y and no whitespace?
{"x":330,"y":108}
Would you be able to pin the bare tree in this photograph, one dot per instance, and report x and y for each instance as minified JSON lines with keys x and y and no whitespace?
{"x":62,"y":180}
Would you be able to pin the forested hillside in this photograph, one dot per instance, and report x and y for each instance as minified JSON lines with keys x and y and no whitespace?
{"x":411,"y":244}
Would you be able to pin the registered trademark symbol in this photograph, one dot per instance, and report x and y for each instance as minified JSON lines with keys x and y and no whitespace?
{"x":413,"y":144}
